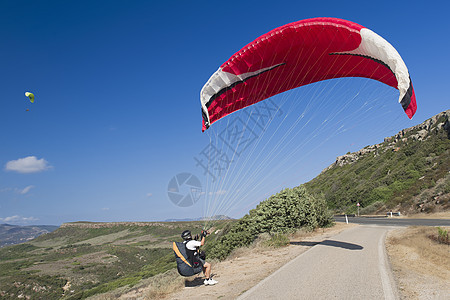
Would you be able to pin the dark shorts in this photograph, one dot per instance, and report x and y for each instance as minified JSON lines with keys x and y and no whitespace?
{"x":199,"y":267}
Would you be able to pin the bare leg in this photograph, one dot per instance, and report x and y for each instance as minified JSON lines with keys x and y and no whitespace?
{"x":207,"y":269}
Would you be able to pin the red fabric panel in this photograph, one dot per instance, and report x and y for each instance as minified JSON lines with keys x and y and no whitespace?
{"x":412,"y":107}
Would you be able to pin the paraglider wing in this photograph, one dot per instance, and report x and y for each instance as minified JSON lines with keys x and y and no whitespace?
{"x":30,"y":96}
{"x":301,"y":53}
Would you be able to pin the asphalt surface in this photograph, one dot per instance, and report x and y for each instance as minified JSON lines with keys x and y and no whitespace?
{"x":350,"y":265}
{"x":394,"y":221}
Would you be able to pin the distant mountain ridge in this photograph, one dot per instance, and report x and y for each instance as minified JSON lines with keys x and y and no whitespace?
{"x":408,"y":172}
{"x":14,"y":234}
{"x":88,"y":224}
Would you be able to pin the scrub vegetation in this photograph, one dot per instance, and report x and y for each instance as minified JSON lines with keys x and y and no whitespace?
{"x":82,"y":259}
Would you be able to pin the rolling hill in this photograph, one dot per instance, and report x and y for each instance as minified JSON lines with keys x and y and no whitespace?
{"x":82,"y":259}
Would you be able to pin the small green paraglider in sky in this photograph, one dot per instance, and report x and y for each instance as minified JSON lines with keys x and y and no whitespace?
{"x":30,"y":96}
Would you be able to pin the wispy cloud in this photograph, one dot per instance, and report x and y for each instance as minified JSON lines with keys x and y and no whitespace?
{"x":18,"y":219}
{"x":149,"y":195}
{"x":29,"y":164}
{"x":25,"y":190}
{"x":217,"y":193}
{"x":15,"y":190}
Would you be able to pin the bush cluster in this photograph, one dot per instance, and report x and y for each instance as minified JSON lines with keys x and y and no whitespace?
{"x":284,"y":212}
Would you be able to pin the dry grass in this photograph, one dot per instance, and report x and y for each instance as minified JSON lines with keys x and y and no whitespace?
{"x":438,"y":215}
{"x":163,"y":285}
{"x":157,"y":287}
{"x":421,"y":265}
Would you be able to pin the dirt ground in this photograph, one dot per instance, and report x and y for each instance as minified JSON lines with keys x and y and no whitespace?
{"x":439,"y":215}
{"x":421,"y":266}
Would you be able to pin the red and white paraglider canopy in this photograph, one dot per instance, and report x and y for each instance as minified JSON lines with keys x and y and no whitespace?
{"x":301,"y":53}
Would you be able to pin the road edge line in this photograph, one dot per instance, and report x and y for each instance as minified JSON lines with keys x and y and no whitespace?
{"x":385,"y":270}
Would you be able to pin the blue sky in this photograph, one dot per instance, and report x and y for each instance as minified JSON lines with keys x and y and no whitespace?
{"x":117,"y":110}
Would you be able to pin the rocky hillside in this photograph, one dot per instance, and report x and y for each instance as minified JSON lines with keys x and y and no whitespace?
{"x":434,"y":125}
{"x":408,"y":172}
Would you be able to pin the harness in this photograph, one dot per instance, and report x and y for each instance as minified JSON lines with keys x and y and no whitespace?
{"x":188,"y":263}
{"x":192,"y":256}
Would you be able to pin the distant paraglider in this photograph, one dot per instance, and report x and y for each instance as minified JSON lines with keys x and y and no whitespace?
{"x":30,"y":96}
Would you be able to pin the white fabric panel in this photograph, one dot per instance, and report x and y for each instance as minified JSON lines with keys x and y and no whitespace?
{"x":377,"y":47}
{"x":220,"y":80}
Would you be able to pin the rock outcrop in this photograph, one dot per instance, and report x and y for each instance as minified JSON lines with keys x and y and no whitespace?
{"x":419,"y":132}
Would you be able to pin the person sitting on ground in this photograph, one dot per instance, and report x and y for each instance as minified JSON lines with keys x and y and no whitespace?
{"x":198,"y":257}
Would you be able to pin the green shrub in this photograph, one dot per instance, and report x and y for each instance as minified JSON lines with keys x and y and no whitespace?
{"x":380,"y":194}
{"x":442,"y":236}
{"x":284,"y":212}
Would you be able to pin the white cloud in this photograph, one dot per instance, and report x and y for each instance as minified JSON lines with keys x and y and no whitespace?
{"x":18,"y":219}
{"x":149,"y":195}
{"x":29,"y":164}
{"x":105,"y":208}
{"x":218,"y":193}
{"x":25,"y":190}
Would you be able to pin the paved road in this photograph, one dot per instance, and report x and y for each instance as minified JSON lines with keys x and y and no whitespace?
{"x":351,"y":265}
{"x":395,"y":221}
